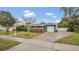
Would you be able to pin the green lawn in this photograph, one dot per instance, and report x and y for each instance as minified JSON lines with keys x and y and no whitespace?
{"x":4,"y":32}
{"x":21,"y":34}
{"x":72,"y":39}
{"x":27,"y":35}
{"x":6,"y":44}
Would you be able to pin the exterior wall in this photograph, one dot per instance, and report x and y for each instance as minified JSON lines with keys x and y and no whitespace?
{"x":38,"y":27}
{"x":62,"y":29}
{"x":45,"y":28}
{"x":4,"y":29}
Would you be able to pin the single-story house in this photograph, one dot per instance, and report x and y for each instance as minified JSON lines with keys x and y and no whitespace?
{"x":45,"y":27}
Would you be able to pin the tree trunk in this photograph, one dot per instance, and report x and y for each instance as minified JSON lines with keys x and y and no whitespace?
{"x":7,"y":29}
{"x":28,"y":28}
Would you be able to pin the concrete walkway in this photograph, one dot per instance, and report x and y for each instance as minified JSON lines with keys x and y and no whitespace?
{"x":44,"y":42}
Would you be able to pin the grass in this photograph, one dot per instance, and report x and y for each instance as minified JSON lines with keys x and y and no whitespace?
{"x":27,"y":35}
{"x":4,"y":32}
{"x":6,"y":44}
{"x":72,"y":39}
{"x":21,"y":34}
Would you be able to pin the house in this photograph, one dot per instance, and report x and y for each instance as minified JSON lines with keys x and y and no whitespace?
{"x":45,"y":27}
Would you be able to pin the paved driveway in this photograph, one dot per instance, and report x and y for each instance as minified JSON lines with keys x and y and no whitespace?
{"x":43,"y":42}
{"x":29,"y":47}
{"x":52,"y":36}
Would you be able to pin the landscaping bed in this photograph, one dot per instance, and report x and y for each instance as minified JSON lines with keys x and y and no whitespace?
{"x":27,"y":35}
{"x":72,"y":39}
{"x":6,"y":44}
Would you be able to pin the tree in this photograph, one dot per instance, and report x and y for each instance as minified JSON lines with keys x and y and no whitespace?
{"x":29,"y":21}
{"x":65,"y":10}
{"x":6,"y":20}
{"x":73,"y":16}
{"x":64,"y":22}
{"x":43,"y":22}
{"x":68,"y":11}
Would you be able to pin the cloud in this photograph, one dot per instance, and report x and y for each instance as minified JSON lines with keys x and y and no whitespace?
{"x":49,"y":14}
{"x":20,"y":20}
{"x":38,"y":21}
{"x":45,"y":20}
{"x":57,"y":21}
{"x":54,"y":16}
{"x":28,"y":13}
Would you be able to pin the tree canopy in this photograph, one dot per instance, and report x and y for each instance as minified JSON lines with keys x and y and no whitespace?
{"x":6,"y":19}
{"x":70,"y":19}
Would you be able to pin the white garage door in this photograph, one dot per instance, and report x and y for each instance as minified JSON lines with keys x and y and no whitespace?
{"x":50,"y":28}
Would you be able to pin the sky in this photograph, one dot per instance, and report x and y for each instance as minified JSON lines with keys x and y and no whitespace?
{"x":42,"y":14}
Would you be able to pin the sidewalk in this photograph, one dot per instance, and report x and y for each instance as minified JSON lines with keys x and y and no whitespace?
{"x":29,"y":47}
{"x":65,"y":47}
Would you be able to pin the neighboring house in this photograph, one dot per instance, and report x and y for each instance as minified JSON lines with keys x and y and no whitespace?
{"x":20,"y":22}
{"x":62,"y":29}
{"x":45,"y":27}
{"x":4,"y":29}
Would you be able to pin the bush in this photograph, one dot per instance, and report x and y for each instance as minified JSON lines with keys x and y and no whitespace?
{"x":36,"y":30}
{"x":77,"y":30}
{"x":13,"y":30}
{"x":21,"y":28}
{"x":73,"y":29}
{"x":56,"y":30}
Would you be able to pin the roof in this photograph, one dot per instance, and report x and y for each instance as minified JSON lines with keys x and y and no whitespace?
{"x":49,"y":24}
{"x":37,"y":24}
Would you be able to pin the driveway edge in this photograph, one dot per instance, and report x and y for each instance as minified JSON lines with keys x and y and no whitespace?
{"x":65,"y":47}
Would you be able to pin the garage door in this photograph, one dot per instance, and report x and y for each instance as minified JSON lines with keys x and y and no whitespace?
{"x":50,"y":28}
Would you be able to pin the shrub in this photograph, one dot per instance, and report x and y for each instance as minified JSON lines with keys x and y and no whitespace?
{"x":13,"y":30}
{"x":77,"y":30}
{"x":74,"y":29}
{"x":21,"y":28}
{"x":56,"y":30}
{"x":36,"y":30}
{"x":71,"y":29}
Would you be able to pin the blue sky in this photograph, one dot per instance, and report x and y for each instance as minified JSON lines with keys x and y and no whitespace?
{"x":43,"y":14}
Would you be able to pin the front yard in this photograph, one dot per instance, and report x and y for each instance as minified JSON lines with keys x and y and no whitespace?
{"x":6,"y":44}
{"x":21,"y":34}
{"x":27,"y":35}
{"x":72,"y":39}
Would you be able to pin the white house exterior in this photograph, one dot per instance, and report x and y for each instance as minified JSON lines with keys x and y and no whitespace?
{"x":45,"y":27}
